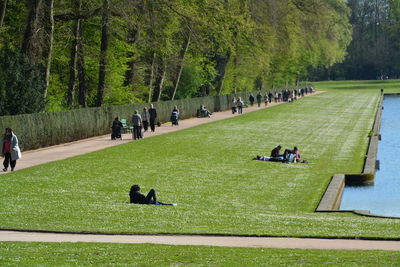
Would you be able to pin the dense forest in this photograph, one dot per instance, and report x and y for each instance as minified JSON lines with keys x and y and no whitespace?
{"x":64,"y":54}
{"x":374,"y":52}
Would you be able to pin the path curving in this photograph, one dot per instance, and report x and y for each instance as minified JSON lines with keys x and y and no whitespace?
{"x":199,"y":240}
{"x":67,"y":150}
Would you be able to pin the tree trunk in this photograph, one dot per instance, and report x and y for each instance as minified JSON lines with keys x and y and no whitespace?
{"x":161,"y":83}
{"x":222,"y":64}
{"x":80,"y":64}
{"x":73,"y":58}
{"x":130,"y":72}
{"x":48,"y":22}
{"x":182,"y":61}
{"x":31,"y":41}
{"x":3,"y":12}
{"x":103,"y":54}
{"x":152,"y":76}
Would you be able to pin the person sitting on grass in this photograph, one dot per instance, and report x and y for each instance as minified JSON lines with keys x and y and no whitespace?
{"x":290,"y":156}
{"x":137,"y":198}
{"x":275,"y":152}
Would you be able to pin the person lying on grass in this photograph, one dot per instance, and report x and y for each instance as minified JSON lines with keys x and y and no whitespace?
{"x":290,"y":156}
{"x":137,"y":198}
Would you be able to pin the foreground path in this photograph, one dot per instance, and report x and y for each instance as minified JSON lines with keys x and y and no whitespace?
{"x":198,"y":240}
{"x":63,"y":151}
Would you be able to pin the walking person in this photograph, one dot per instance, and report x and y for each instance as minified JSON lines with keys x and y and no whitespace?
{"x":10,"y":150}
{"x":251,"y":99}
{"x":145,"y":119}
{"x":259,"y":97}
{"x":240,"y":105}
{"x":234,"y":104}
{"x":137,"y":126}
{"x":153,"y":117}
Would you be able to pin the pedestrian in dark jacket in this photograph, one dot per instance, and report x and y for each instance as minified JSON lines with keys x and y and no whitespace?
{"x":259,"y":97}
{"x":153,"y":117}
{"x":251,"y":99}
{"x":116,"y":129}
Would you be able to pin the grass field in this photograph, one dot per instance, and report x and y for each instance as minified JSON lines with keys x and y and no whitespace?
{"x":208,"y":170}
{"x":84,"y":254}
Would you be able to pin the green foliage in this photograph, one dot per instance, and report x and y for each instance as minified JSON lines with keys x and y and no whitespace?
{"x":21,"y":84}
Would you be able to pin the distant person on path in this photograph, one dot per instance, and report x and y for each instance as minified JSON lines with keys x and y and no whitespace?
{"x":153,"y":117}
{"x":137,"y":198}
{"x":234,"y":105}
{"x":145,"y":119}
{"x":116,"y":129}
{"x":259,"y":97}
{"x":175,"y":116}
{"x":204,"y":112}
{"x":10,"y":151}
{"x":251,"y":99}
{"x":137,"y":125}
{"x":266,"y":99}
{"x":240,"y":105}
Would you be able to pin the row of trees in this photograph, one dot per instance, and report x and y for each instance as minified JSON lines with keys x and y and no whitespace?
{"x":96,"y":52}
{"x":375,"y":49}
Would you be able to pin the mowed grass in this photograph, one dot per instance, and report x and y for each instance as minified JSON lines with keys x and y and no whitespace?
{"x":389,"y":86}
{"x":85,"y":254}
{"x":208,"y":170}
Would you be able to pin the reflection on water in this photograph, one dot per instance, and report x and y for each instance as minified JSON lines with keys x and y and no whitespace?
{"x":384,"y":197}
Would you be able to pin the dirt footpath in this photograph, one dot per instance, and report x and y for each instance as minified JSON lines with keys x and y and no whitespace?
{"x":198,"y":240}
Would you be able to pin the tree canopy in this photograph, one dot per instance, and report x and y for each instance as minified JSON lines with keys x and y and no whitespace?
{"x":106,"y":52}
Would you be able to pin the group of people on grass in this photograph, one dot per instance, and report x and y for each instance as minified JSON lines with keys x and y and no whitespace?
{"x":289,"y":156}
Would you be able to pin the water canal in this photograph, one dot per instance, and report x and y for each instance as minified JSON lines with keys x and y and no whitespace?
{"x":383,"y":198}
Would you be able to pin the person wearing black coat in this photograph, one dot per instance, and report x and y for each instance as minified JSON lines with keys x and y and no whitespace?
{"x":153,"y":117}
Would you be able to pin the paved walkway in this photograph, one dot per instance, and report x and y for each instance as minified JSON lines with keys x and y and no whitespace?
{"x":59,"y":152}
{"x":67,"y":150}
{"x":198,"y":240}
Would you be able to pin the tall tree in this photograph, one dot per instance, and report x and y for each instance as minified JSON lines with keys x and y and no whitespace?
{"x":103,"y":52}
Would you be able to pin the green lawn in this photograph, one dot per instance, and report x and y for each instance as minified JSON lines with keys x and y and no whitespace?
{"x":84,"y":254}
{"x":208,"y":170}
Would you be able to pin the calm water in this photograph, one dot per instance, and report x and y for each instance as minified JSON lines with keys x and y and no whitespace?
{"x":384,"y":197}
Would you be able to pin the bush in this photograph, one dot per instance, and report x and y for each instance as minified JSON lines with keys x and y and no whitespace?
{"x":21,"y":84}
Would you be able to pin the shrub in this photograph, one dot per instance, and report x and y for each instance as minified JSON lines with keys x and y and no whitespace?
{"x":21,"y":84}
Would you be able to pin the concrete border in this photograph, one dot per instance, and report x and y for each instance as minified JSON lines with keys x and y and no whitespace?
{"x":330,"y":201}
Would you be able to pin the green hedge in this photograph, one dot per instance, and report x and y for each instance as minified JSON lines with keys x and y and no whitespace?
{"x":47,"y":129}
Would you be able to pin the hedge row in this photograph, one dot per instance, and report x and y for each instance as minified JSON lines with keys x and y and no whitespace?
{"x":47,"y":129}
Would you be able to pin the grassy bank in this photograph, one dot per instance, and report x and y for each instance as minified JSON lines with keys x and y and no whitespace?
{"x":208,"y":170}
{"x":84,"y":254}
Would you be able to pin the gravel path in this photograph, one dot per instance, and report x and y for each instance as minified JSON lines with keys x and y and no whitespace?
{"x":198,"y":240}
